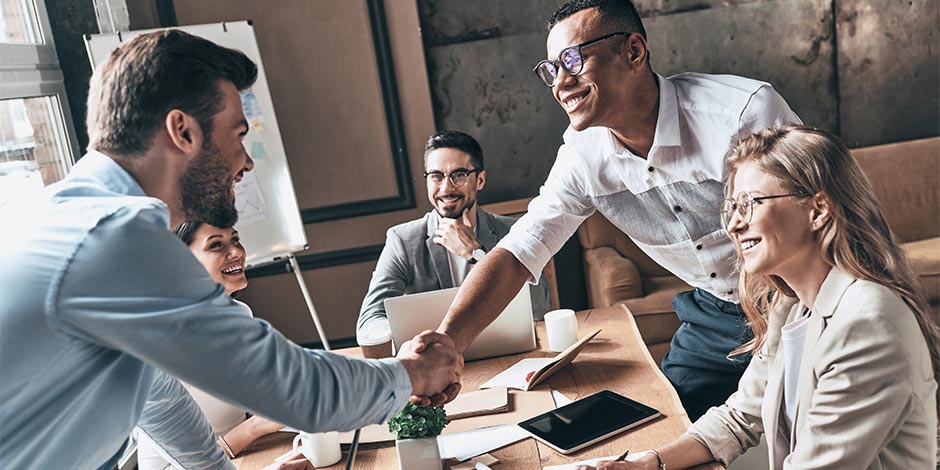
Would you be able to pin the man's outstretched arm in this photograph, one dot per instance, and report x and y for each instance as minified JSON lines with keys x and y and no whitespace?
{"x":488,"y":289}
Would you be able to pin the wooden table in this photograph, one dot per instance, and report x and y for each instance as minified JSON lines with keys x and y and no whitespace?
{"x":616,"y":360}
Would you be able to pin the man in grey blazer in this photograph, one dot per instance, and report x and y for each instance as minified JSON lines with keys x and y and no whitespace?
{"x":438,"y":250}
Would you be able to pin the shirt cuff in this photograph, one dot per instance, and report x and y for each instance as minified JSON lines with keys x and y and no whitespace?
{"x":532,"y":254}
{"x":401,"y":385}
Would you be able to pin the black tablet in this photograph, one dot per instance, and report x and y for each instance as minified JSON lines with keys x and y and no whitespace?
{"x":581,"y":423}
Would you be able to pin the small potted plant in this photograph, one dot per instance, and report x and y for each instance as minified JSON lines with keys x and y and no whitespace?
{"x":416,"y":429}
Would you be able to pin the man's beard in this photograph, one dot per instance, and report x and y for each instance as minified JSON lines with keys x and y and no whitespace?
{"x":456,"y":212}
{"x":205,"y":190}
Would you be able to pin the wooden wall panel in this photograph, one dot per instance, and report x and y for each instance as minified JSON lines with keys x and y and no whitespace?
{"x":326,"y":84}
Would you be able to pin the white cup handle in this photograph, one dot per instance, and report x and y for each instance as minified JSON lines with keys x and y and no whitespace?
{"x":296,"y":440}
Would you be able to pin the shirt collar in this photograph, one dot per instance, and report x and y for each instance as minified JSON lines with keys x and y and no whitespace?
{"x":99,"y":167}
{"x":667,"y":123}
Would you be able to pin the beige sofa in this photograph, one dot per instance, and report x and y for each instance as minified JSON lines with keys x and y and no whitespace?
{"x":905,"y":176}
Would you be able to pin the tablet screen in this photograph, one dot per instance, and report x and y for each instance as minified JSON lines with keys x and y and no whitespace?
{"x":588,"y":420}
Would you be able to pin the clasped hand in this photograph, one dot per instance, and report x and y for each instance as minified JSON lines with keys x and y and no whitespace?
{"x":434,"y":366}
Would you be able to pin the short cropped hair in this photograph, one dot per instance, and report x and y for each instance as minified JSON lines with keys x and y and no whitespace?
{"x":144,"y":79}
{"x":620,"y":15}
{"x":455,"y":140}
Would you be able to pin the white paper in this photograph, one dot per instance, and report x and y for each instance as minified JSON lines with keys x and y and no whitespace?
{"x":485,"y":459}
{"x":514,"y":377}
{"x":249,"y":201}
{"x":592,"y":462}
{"x":560,"y":399}
{"x":464,"y":445}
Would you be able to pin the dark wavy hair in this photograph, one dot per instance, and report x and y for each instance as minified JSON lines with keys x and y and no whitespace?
{"x":144,"y":79}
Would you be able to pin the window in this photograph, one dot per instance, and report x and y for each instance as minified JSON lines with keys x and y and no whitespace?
{"x":18,"y":22}
{"x":37,"y":141}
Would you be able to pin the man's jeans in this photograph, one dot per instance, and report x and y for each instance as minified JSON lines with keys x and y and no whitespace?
{"x":697,"y":362}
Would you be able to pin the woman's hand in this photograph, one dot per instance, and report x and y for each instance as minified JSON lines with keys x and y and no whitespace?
{"x":295,"y":461}
{"x":241,"y":436}
{"x":261,"y":426}
{"x":646,"y":461}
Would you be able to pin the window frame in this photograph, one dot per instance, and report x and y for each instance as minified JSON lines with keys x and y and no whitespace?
{"x":32,"y":70}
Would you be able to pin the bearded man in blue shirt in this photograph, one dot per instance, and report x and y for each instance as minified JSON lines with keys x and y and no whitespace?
{"x":101,"y":304}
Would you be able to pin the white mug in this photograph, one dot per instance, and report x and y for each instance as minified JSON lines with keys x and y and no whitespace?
{"x":562,"y":328}
{"x":321,"y":449}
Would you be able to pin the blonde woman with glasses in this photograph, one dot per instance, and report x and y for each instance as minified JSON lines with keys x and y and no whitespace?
{"x":844,"y":374}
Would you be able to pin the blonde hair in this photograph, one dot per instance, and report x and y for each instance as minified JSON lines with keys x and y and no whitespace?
{"x":856,"y":238}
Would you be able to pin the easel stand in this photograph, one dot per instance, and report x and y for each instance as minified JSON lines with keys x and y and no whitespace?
{"x":295,"y":266}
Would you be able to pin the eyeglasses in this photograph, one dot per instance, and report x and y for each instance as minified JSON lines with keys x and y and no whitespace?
{"x":458,"y":177}
{"x":569,"y":59}
{"x":744,"y":206}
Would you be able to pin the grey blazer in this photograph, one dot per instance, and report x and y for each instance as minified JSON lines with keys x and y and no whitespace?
{"x":411,"y":262}
{"x":866,"y":396}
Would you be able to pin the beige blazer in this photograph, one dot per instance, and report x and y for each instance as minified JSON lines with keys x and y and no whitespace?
{"x":866,"y":396}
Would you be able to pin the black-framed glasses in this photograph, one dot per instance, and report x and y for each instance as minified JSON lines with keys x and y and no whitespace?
{"x":458,"y":177}
{"x":569,"y":59}
{"x":744,"y":206}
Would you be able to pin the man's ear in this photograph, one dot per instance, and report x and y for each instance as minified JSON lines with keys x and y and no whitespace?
{"x":481,"y":179}
{"x":821,"y":211}
{"x":637,"y":49}
{"x":184,"y":132}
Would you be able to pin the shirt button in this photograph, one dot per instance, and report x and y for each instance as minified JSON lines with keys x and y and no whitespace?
{"x":698,"y":247}
{"x":713,"y":275}
{"x":677,"y":209}
{"x":650,"y":169}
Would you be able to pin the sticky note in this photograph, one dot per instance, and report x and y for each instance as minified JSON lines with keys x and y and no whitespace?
{"x":257,"y":151}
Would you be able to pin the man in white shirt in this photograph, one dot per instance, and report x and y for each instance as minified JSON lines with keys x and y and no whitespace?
{"x":647,"y":152}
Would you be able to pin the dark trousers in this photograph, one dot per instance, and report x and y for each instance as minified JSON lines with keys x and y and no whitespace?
{"x":697,"y":362}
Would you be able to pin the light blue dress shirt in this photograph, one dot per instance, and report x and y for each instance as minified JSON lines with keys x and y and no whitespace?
{"x":98,"y":296}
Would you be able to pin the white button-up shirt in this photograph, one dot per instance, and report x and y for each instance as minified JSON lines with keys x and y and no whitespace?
{"x":669,"y":203}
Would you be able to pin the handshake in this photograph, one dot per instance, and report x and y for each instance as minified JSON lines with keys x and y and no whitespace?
{"x":434,"y":366}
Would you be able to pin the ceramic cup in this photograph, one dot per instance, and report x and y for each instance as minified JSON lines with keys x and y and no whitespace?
{"x":562,"y":328}
{"x":375,"y":344}
{"x":321,"y":449}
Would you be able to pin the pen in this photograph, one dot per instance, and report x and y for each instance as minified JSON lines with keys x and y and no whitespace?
{"x":623,"y":456}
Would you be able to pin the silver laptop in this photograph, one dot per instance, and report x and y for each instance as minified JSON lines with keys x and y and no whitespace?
{"x":512,"y":332}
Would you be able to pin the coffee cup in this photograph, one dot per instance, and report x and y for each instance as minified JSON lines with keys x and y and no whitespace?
{"x":321,"y":449}
{"x":562,"y":328}
{"x":375,"y":344}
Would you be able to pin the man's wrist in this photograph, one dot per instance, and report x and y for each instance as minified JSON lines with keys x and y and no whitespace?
{"x":476,"y":255}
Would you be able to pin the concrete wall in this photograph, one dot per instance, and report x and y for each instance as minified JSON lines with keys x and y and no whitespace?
{"x":867,"y":69}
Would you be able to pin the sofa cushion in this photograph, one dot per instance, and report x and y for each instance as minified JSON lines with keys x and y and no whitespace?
{"x":925,"y":260}
{"x":596,"y":231}
{"x":904,"y":177}
{"x":610,"y":277}
{"x":653,"y":312}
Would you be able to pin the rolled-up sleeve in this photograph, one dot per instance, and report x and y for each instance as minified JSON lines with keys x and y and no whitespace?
{"x":177,"y":319}
{"x":552,"y":216}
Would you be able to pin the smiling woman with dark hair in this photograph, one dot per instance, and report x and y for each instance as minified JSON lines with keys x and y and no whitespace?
{"x":844,"y":374}
{"x":220,"y":251}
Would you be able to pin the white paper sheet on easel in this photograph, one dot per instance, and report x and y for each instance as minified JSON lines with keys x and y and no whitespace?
{"x":464,"y":445}
{"x":592,"y":462}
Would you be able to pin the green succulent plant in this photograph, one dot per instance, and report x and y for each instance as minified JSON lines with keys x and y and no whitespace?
{"x":415,"y":422}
